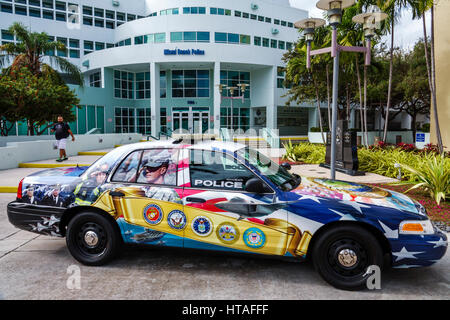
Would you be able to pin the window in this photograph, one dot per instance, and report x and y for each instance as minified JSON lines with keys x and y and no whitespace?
{"x":21,"y":10}
{"x":268,"y":20}
{"x":245,"y":15}
{"x":190,"y":83}
{"x":160,"y":37}
{"x":240,"y":118}
{"x":244,"y":39}
{"x":6,"y":8}
{"x":162,"y":84}
{"x":62,"y":53}
{"x":109,"y":24}
{"x":95,"y":80}
{"x":87,"y":21}
{"x":87,"y":10}
{"x":237,"y":14}
{"x":124,"y":120}
{"x":280,"y":77}
{"x":138,"y":40}
{"x":88,"y":45}
{"x":273,"y":43}
{"x":34,"y":12}
{"x":253,"y":16}
{"x":233,"y":78}
{"x":36,"y":3}
{"x":7,"y":36}
{"x":99,"y":23}
{"x":60,"y":5}
{"x":120,"y":16}
{"x":281,"y":45}
{"x":99,"y":46}
{"x":261,"y":18}
{"x":143,"y":85}
{"x":217,"y":170}
{"x":276,"y":21}
{"x":283,"y":23}
{"x":158,"y":166}
{"x":290,"y":25}
{"x":127,"y":171}
{"x":60,"y":16}
{"x":221,"y":37}
{"x":47,"y":4}
{"x":194,"y":10}
{"x":123,"y":84}
{"x":212,"y":10}
{"x":131,"y":17}
{"x":265,"y":42}
{"x":289,"y":45}
{"x":235,"y":38}
{"x":99,"y":12}
{"x":110,"y":14}
{"x":47,"y":14}
{"x":257,"y":41}
{"x":143,"y":121}
{"x":189,"y":36}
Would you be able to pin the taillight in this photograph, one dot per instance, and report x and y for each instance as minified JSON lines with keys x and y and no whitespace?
{"x":19,"y":190}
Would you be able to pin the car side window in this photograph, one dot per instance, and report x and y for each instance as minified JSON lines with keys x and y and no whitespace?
{"x":158,"y":166}
{"x":217,"y":170}
{"x":127,"y":171}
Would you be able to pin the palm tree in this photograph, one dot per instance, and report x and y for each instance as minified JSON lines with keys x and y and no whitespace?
{"x":30,"y":50}
{"x":392,"y":8}
{"x":419,"y":11}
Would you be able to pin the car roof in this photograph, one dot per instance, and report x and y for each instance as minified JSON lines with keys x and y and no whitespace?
{"x":205,"y":145}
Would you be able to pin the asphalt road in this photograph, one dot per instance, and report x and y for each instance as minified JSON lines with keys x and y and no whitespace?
{"x":38,"y":267}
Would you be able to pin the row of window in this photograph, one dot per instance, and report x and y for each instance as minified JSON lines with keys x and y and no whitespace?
{"x":203,"y":36}
{"x":98,"y":17}
{"x":185,"y":83}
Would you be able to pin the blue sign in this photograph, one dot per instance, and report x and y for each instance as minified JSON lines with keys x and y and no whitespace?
{"x":187,"y":52}
{"x":420,"y":137}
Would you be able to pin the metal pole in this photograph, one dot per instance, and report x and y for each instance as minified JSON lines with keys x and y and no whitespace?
{"x":334,"y":107}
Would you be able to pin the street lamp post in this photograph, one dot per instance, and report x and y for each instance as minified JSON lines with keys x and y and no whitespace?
{"x":334,"y":11}
{"x":241,"y":87}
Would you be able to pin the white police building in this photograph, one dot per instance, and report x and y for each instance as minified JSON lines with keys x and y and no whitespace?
{"x":153,"y":65}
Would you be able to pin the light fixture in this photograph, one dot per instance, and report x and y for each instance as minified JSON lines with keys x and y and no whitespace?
{"x":334,"y":9}
{"x":308,"y":26}
{"x":232,"y":90}
{"x":242,"y":86}
{"x":370,"y":22}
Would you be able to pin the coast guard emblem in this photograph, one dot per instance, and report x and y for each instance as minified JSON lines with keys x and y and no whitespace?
{"x":254,"y":238}
{"x":176,"y":219}
{"x":227,"y":233}
{"x":202,"y":226}
{"x":153,"y":214}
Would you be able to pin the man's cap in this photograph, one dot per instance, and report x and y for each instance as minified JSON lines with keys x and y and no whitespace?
{"x":157,"y":160}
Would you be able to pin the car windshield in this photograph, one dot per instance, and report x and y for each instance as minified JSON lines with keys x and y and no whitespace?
{"x":276,"y":173}
{"x":104,"y":164}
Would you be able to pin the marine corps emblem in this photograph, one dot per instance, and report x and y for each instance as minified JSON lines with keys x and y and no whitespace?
{"x":202,"y":226}
{"x":176,"y":219}
{"x":153,"y":214}
{"x":227,"y":233}
{"x":254,"y":238}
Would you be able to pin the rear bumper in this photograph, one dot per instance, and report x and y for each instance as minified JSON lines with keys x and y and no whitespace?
{"x":35,"y":218}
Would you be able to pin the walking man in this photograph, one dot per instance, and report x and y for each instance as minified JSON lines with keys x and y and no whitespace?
{"x":62,"y":131}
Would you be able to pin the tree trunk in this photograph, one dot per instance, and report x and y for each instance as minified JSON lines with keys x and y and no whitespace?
{"x":361,"y":116}
{"x":414,"y":126}
{"x":391,"y":67}
{"x":433,"y":75}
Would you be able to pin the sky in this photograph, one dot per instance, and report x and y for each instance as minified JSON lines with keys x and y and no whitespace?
{"x":407,"y":31}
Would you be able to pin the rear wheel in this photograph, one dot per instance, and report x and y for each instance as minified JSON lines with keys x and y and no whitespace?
{"x":343,"y":254}
{"x":92,"y":239}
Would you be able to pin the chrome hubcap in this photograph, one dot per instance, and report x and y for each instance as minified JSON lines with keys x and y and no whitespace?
{"x":91,"y":238}
{"x":347,"y":258}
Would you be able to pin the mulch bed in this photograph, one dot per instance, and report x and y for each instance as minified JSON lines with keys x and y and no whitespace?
{"x":436,"y":213}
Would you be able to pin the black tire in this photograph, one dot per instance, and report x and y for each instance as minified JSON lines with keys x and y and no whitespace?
{"x":339,"y":267}
{"x":92,"y":239}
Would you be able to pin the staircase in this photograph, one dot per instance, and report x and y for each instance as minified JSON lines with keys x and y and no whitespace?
{"x":252,"y":142}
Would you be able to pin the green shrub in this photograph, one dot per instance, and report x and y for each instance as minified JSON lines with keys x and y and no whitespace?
{"x":433,"y":176}
{"x":305,"y":152}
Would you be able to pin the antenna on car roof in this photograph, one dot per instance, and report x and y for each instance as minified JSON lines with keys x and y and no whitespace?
{"x":178,"y":141}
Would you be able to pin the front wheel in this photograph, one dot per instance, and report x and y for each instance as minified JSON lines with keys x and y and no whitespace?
{"x":343,"y":254}
{"x":92,"y":239}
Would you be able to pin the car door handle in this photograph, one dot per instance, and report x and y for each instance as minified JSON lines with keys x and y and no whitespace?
{"x":195,"y":200}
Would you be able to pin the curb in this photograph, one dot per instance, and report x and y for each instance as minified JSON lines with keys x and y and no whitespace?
{"x":51,"y":165}
{"x":8,"y":189}
{"x":91,"y":153}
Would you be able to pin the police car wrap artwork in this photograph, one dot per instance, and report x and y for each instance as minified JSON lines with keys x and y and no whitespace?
{"x":159,"y":204}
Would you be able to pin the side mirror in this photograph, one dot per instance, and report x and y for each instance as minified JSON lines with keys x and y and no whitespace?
{"x":257,"y":186}
{"x":286,"y":165}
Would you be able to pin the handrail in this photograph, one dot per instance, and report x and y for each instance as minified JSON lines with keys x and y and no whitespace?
{"x":92,"y":131}
{"x":271,"y":138}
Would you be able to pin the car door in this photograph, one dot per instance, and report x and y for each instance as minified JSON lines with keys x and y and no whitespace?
{"x":146,"y":197}
{"x":221,"y":215}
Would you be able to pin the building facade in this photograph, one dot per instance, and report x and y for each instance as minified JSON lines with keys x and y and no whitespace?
{"x":153,"y":66}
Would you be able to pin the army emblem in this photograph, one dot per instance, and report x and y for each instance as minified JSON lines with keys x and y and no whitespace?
{"x":153,"y":214}
{"x":227,"y":233}
{"x":254,"y":238}
{"x":176,"y":219}
{"x":202,"y":226}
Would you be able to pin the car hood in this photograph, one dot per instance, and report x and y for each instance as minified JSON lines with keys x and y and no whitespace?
{"x":344,"y":190}
{"x":56,"y":175}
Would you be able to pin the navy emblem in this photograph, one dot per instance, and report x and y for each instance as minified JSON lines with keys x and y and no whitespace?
{"x":176,"y":219}
{"x":153,"y":214}
{"x":202,"y":226}
{"x":254,"y":238}
{"x":227,"y":233}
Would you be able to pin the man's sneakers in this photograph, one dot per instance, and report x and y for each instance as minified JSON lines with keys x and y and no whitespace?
{"x":61,"y":159}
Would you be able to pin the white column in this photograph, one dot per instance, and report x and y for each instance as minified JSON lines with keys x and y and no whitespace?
{"x":217,"y":97}
{"x":155,"y":98}
{"x":271,"y":107}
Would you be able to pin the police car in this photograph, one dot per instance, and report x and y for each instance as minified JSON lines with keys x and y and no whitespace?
{"x":227,"y":197}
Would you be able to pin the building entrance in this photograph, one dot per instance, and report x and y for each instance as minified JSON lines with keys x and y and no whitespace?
{"x":192,"y":120}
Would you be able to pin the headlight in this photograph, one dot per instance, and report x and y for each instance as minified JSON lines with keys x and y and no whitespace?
{"x":416,"y":227}
{"x":420,"y":208}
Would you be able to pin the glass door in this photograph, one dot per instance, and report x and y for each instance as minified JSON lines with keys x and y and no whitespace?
{"x":181,"y":121}
{"x":191,"y":121}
